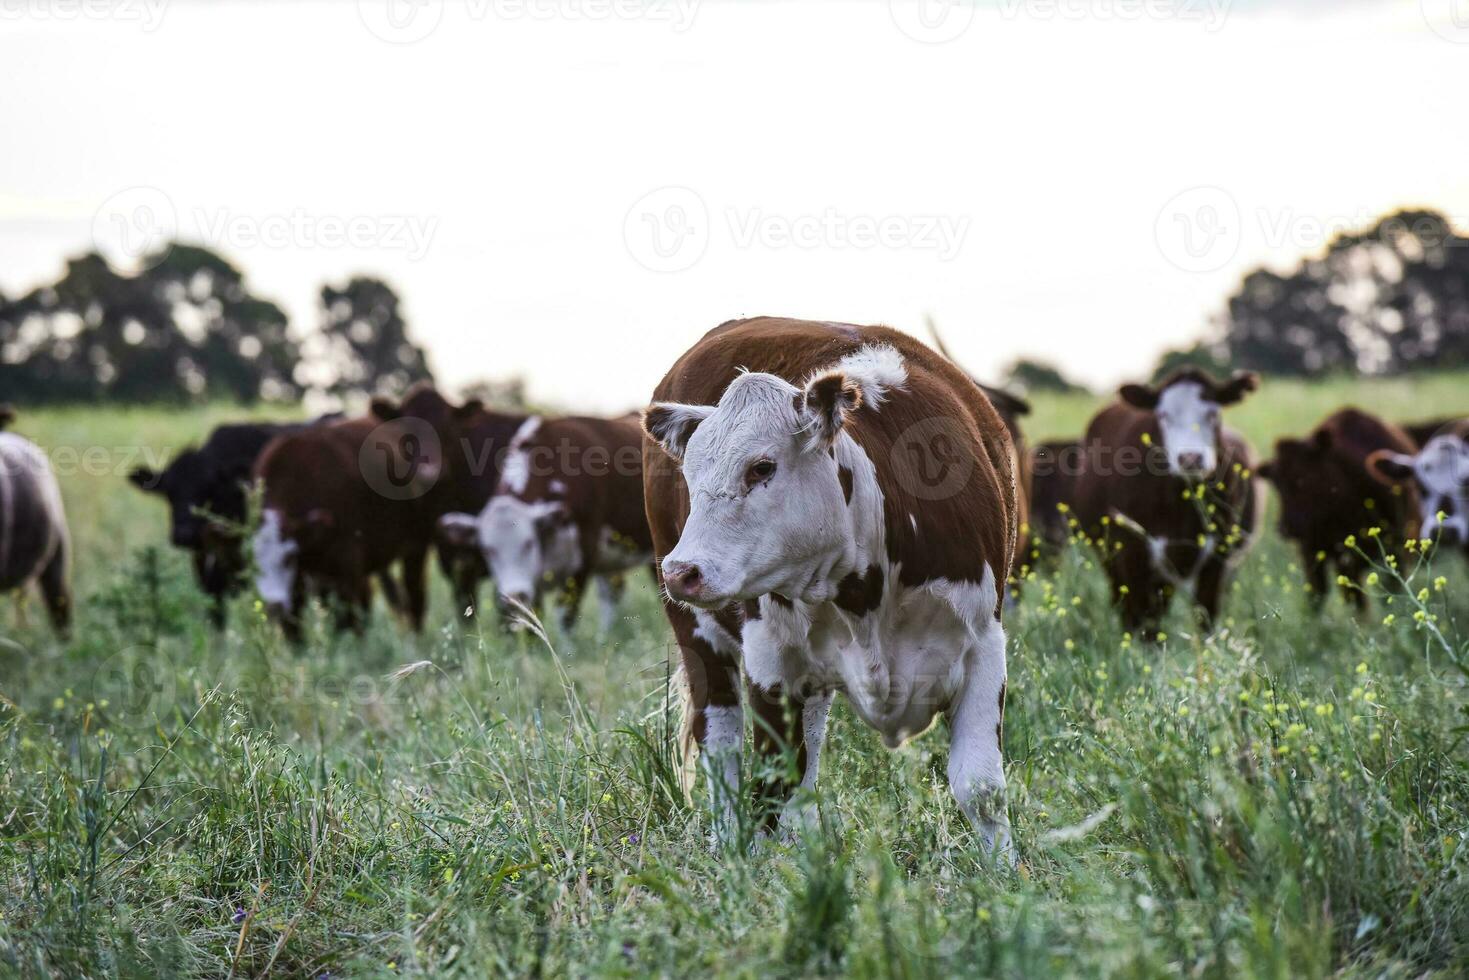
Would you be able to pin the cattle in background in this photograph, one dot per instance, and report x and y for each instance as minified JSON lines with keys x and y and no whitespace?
{"x":1327,"y":494}
{"x":343,"y":502}
{"x":569,"y":508}
{"x":34,"y":543}
{"x":1167,"y":492}
{"x":1054,"y":467}
{"x":206,"y":490}
{"x":1439,"y":473}
{"x":480,"y":445}
{"x":834,"y":509}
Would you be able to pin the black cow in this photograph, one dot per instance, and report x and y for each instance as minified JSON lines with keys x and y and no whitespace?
{"x":206,"y":489}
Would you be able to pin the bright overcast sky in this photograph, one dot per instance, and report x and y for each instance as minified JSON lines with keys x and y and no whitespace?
{"x":574,"y":190}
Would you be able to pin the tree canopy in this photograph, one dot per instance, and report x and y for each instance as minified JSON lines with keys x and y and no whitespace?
{"x":187,"y":327}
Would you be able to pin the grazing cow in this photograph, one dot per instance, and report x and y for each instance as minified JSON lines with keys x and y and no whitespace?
{"x":569,"y":507}
{"x":1053,"y":466}
{"x":343,"y":502}
{"x":206,"y":493}
{"x":1167,"y":491}
{"x":1439,"y":473}
{"x":34,"y":544}
{"x":834,"y":508}
{"x":1327,"y":493}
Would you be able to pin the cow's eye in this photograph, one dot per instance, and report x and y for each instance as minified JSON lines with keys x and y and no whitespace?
{"x":759,"y":471}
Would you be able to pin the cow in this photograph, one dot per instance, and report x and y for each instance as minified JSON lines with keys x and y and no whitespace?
{"x":206,"y":490}
{"x":1011,"y":408}
{"x":34,"y":544}
{"x":1328,"y":494}
{"x":833,"y":508}
{"x":1054,"y":466}
{"x":1439,"y":474}
{"x":1168,"y":494}
{"x":477,"y":450}
{"x":343,"y":502}
{"x":569,"y":508}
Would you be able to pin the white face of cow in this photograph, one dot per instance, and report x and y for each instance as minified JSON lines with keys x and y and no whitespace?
{"x":1190,"y":424}
{"x":275,"y":562}
{"x":525,"y":543}
{"x":1441,"y":471}
{"x":1189,"y":410}
{"x":767,"y":512}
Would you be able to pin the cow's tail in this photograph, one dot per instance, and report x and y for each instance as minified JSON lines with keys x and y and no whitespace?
{"x":687,"y":746}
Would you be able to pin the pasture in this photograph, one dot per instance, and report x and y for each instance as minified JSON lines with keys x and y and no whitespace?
{"x":1289,"y":797}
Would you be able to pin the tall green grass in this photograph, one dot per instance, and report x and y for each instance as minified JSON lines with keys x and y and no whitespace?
{"x":1289,"y":797}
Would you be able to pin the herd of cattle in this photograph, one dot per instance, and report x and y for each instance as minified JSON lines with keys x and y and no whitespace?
{"x":827,"y":508}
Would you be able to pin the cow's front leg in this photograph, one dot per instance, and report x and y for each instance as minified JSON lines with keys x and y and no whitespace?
{"x":976,"y":767}
{"x":714,"y":720}
{"x":415,"y":586}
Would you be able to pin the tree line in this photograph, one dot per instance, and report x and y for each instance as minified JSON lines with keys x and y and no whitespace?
{"x":187,"y":327}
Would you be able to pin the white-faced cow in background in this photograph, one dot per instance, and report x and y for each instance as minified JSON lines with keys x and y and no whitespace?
{"x":34,"y":544}
{"x":1440,"y":472}
{"x":834,"y":511}
{"x":1168,"y":493}
{"x":569,"y":508}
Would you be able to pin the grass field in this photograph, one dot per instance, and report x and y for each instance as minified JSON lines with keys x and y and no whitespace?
{"x":1287,"y":798}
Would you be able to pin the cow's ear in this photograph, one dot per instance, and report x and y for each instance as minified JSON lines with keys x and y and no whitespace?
{"x":471,"y":407}
{"x":7,"y":415}
{"x":671,"y":425}
{"x":1390,"y":467}
{"x":146,"y":478}
{"x":1266,"y":470}
{"x":386,"y":409}
{"x":1234,"y":391}
{"x":459,"y":530}
{"x":1139,"y":396}
{"x":1322,"y":441}
{"x":828,"y":402}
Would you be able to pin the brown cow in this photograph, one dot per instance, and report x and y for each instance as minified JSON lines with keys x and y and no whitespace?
{"x":34,"y":544}
{"x":1167,"y":492}
{"x":569,"y":508}
{"x":343,"y":502}
{"x":834,"y":509}
{"x":478,"y":441}
{"x":1439,"y":474}
{"x":1327,"y":493}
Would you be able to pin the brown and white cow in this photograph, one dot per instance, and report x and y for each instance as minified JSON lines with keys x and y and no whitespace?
{"x":343,"y":502}
{"x":833,"y":509}
{"x":34,"y":544}
{"x":569,"y":508}
{"x":1439,"y":473}
{"x":1168,"y":493}
{"x":1328,"y":493}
